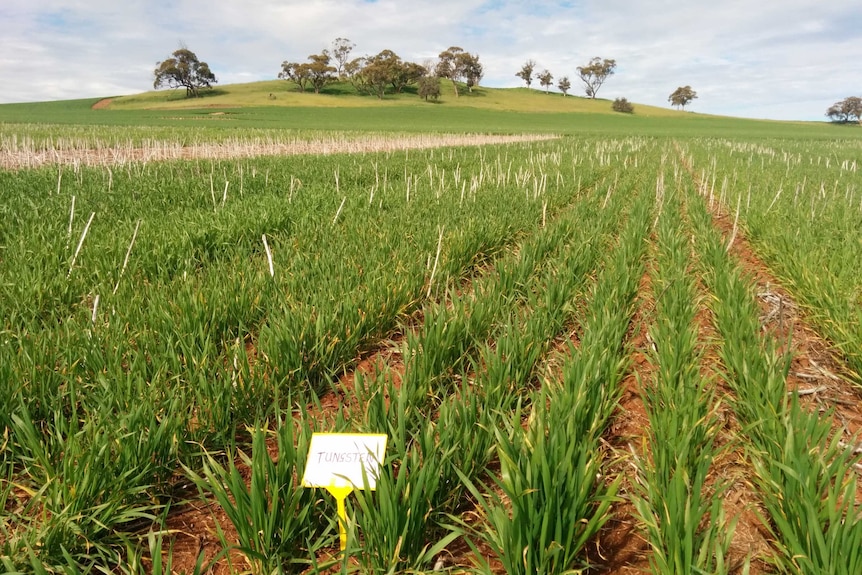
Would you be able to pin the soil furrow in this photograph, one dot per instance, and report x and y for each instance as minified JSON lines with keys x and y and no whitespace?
{"x":620,"y":548}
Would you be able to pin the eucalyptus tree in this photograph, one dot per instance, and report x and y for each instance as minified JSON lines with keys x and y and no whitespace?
{"x":564,"y":85}
{"x":594,"y":74}
{"x":184,"y":70}
{"x":682,"y":96}
{"x":341,"y":48}
{"x":546,"y":79}
{"x":526,"y":72}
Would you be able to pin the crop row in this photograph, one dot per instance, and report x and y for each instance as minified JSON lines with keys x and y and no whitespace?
{"x":127,"y":345}
{"x":804,"y":475}
{"x":461,"y":397}
{"x":800,"y":203}
{"x":677,"y":499}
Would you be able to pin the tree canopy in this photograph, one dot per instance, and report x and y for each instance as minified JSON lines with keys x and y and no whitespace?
{"x":376,"y":74}
{"x":564,"y":85}
{"x":317,"y":72}
{"x":472,"y":70}
{"x":546,"y":79}
{"x":455,"y":64}
{"x":847,"y":110}
{"x":594,"y":74}
{"x":682,"y":96}
{"x":526,"y":72}
{"x":341,"y":48}
{"x":184,"y":70}
{"x":429,"y":87}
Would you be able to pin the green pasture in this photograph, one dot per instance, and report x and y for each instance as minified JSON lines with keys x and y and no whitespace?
{"x":276,"y":105}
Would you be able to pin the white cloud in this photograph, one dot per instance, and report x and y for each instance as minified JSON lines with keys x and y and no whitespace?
{"x":787,"y":60}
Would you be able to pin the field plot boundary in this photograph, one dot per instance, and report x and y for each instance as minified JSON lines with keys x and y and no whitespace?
{"x":383,"y":371}
{"x":16,"y":159}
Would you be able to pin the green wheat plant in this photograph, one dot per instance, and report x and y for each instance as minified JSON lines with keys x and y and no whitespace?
{"x":806,"y":476}
{"x":800,"y":208}
{"x":550,"y":496}
{"x":682,"y":513}
{"x":279,"y":523}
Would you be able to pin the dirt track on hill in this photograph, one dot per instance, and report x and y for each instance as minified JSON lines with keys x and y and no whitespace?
{"x":102,"y":104}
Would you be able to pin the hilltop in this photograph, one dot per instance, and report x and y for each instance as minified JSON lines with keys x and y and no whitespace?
{"x":280,"y":93}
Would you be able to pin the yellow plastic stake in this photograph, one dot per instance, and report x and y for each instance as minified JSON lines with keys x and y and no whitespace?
{"x":340,"y":492}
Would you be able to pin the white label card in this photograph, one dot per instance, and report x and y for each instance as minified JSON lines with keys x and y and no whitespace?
{"x":338,"y":459}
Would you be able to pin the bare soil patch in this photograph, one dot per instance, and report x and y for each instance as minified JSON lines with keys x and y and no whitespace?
{"x":195,"y":527}
{"x":102,"y":104}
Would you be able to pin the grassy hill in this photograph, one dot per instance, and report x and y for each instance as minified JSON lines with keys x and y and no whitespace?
{"x":342,"y":95}
{"x":277,"y":104}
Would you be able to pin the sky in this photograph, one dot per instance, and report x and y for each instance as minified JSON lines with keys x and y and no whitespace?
{"x":775,"y":59}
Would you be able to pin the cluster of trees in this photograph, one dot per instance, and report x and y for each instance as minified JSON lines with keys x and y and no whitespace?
{"x":593,"y":75}
{"x":457,"y":65}
{"x":374,"y":74}
{"x":380,"y":74}
{"x":847,"y":110}
{"x":317,"y":72}
{"x":526,"y":74}
{"x":385,"y":72}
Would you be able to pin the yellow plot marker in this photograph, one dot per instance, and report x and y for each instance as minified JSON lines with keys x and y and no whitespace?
{"x":342,"y":462}
{"x":340,"y":494}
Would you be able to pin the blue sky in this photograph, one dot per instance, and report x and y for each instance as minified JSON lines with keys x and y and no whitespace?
{"x":780,"y":59}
